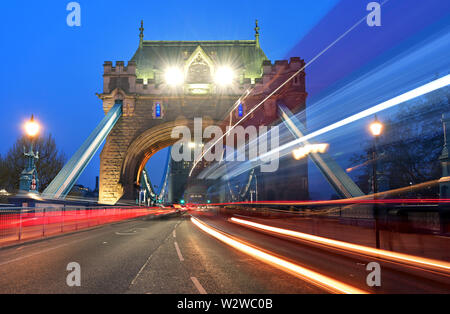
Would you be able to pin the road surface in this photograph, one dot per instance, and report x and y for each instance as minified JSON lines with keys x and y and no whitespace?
{"x":172,"y":255}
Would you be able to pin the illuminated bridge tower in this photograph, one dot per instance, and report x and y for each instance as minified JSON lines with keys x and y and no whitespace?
{"x":168,"y":84}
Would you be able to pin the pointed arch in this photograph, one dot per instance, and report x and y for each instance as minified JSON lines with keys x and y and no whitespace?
{"x":200,"y":63}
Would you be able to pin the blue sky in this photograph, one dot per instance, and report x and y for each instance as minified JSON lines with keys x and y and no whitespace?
{"x":54,"y":71}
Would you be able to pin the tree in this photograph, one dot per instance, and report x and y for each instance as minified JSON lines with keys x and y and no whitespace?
{"x":410,"y":145}
{"x":48,"y":165}
{"x":2,"y":173}
{"x":3,"y":197}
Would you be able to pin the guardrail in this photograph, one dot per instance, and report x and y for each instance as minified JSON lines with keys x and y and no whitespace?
{"x":21,"y":224}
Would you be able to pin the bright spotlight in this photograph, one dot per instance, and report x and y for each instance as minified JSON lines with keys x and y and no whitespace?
{"x":32,"y":127}
{"x":174,"y":76}
{"x":191,"y":145}
{"x":224,"y":76}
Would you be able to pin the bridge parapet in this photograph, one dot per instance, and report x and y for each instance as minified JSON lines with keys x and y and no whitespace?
{"x":119,"y":76}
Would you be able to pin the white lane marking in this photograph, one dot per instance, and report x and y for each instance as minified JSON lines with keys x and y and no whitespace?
{"x":174,"y":234}
{"x":178,"y":252}
{"x":199,"y":287}
{"x":126,"y":233}
{"x":145,"y":264}
{"x":140,"y":270}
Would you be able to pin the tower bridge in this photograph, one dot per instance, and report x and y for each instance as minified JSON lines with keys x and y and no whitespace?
{"x":168,"y":84}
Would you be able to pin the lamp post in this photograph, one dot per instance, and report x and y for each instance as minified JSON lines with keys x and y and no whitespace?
{"x":376,"y":128}
{"x":29,"y":181}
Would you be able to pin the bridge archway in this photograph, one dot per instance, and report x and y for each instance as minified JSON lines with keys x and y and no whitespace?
{"x":153,"y":102}
{"x":115,"y":186}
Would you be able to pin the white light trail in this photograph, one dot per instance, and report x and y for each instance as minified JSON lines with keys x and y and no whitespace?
{"x":419,"y":91}
{"x":317,"y":279}
{"x":278,"y":88}
{"x":393,"y":256}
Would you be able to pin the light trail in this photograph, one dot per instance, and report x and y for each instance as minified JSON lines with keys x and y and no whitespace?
{"x":56,"y":217}
{"x":279,"y":87}
{"x":313,"y":277}
{"x":392,"y":256}
{"x":419,"y":91}
{"x":355,"y":200}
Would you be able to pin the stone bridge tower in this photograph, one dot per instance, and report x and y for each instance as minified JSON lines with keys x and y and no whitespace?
{"x":168,"y":84}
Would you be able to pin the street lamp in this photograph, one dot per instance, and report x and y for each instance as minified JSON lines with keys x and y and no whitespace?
{"x":29,"y":181}
{"x":376,"y":128}
{"x":31,"y":127}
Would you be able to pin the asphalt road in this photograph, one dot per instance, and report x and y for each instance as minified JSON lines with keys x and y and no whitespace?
{"x":168,"y":255}
{"x":344,"y":266}
{"x":171,"y":255}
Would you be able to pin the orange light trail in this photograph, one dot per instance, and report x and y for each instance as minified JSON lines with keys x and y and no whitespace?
{"x":313,"y":277}
{"x":393,"y":256}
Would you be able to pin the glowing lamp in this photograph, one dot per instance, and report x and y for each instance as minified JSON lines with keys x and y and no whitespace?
{"x":224,"y":76}
{"x":376,"y":128}
{"x":32,"y":127}
{"x":174,"y":76}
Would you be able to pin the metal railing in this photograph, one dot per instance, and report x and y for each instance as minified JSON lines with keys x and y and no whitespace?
{"x":21,"y":224}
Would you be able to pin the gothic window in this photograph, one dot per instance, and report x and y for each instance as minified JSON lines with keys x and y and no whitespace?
{"x":240,"y":110}
{"x":157,"y":110}
{"x":199,"y":71}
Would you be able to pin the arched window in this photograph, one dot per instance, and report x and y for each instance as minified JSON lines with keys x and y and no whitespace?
{"x":240,"y":110}
{"x":199,"y":71}
{"x":158,"y":110}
